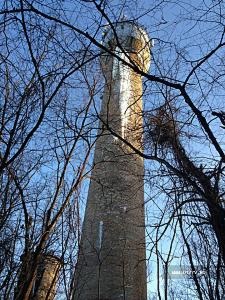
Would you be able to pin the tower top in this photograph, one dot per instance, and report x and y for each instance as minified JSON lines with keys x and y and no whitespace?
{"x":124,"y":29}
{"x":130,"y":37}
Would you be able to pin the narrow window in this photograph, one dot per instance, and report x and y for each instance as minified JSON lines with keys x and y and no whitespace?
{"x":100,"y":234}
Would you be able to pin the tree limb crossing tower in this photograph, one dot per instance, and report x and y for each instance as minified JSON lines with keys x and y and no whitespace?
{"x":111,"y":263}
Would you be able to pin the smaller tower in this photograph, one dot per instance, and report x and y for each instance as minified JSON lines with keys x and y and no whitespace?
{"x":47,"y":276}
{"x":45,"y":279}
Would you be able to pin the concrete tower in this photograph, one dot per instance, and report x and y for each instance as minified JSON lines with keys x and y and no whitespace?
{"x":111,"y":263}
{"x":44,"y":281}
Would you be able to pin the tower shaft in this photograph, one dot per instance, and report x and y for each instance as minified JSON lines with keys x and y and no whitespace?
{"x":111,"y":263}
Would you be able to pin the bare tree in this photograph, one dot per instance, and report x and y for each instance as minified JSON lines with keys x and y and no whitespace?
{"x":50,"y":87}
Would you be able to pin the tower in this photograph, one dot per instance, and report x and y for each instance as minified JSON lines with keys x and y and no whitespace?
{"x":44,"y":281}
{"x":111,"y":263}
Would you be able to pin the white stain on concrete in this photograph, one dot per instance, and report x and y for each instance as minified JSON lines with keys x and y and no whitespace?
{"x":121,"y":74}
